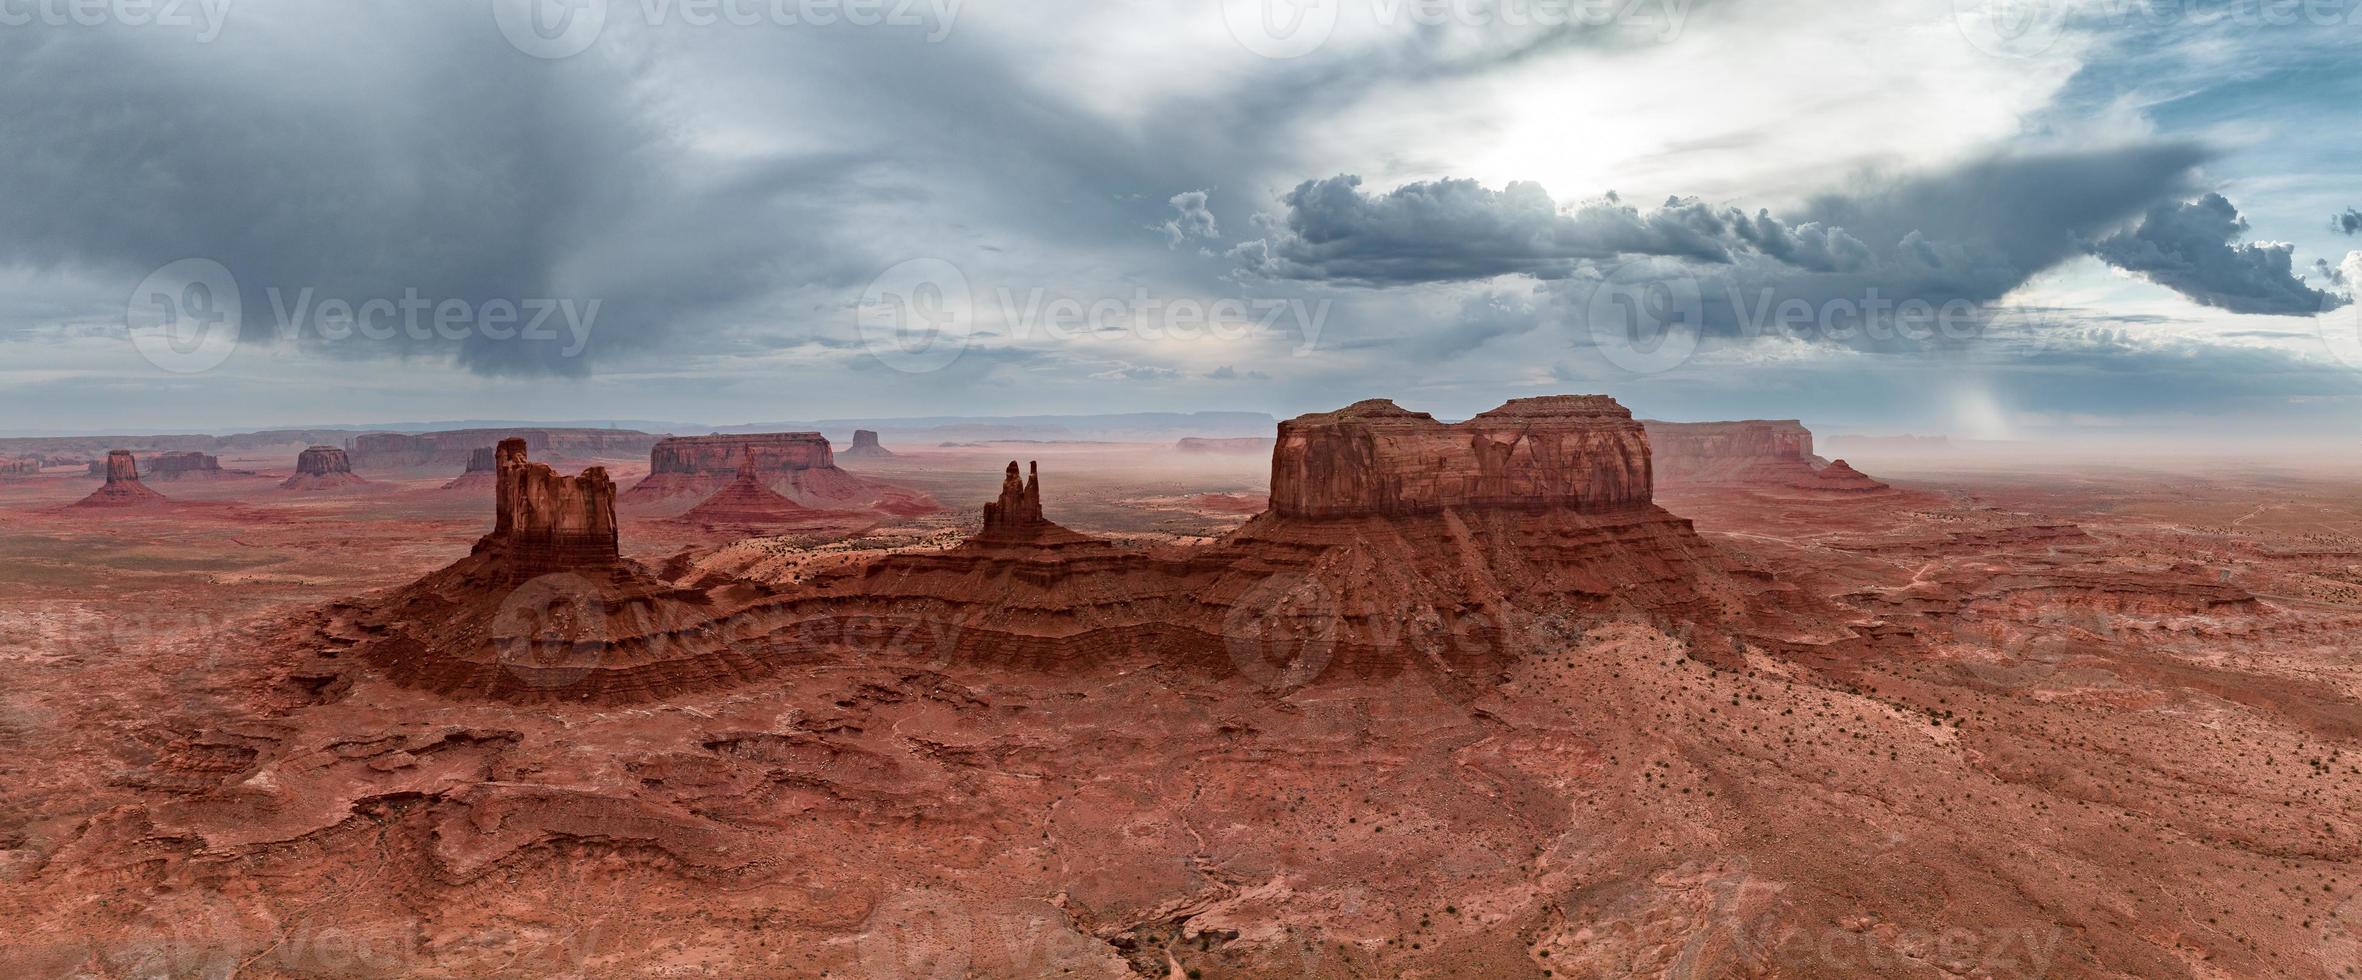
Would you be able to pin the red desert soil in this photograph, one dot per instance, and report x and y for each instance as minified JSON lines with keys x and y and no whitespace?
{"x":1515,"y":720}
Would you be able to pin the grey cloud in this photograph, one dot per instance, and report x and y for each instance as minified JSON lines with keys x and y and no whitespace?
{"x":2193,"y":249}
{"x":2347,"y":222}
{"x":1481,"y":318}
{"x":1228,"y":373}
{"x":1453,"y":230}
{"x":1192,"y":221}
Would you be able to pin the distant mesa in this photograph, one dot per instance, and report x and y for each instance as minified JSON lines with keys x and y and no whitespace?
{"x":747,"y":504}
{"x":481,"y":465}
{"x":321,"y":469}
{"x":186,"y":466}
{"x":865,"y":446}
{"x":1756,"y":453}
{"x":1249,"y":446}
{"x":20,"y":465}
{"x":122,"y":488}
{"x":796,"y":465}
{"x":453,"y":448}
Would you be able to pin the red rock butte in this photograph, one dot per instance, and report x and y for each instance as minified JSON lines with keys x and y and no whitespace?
{"x":482,"y":463}
{"x":122,"y":488}
{"x":797,"y":465}
{"x":1582,"y":452}
{"x":544,"y":522}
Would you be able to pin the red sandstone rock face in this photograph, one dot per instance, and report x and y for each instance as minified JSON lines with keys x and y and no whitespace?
{"x":323,"y":468}
{"x":123,"y":488}
{"x":798,"y":465}
{"x":1755,"y":453}
{"x":1252,"y":446}
{"x":545,"y":522}
{"x":15,"y":466}
{"x":1374,"y":458}
{"x":865,"y":446}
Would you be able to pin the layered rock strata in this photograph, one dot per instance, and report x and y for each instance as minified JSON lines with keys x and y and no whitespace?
{"x":1374,"y":458}
{"x":123,"y":488}
{"x":797,"y":465}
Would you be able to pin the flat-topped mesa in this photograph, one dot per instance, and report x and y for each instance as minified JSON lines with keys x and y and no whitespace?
{"x":485,"y":459}
{"x":122,"y":488}
{"x":865,"y":446}
{"x":1762,"y":453}
{"x":179,"y":465}
{"x":323,"y":461}
{"x":1247,"y":446}
{"x":323,"y":468}
{"x":745,"y":502}
{"x":1374,"y":458}
{"x":547,"y":522}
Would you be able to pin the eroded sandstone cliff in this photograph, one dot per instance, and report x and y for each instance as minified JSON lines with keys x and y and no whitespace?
{"x":323,"y":468}
{"x":544,"y":522}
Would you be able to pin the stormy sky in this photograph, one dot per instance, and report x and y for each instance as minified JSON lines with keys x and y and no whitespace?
{"x":1890,"y":217}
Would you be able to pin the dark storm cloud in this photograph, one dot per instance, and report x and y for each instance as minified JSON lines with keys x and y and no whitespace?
{"x":410,"y":152}
{"x":1960,"y":238}
{"x":1481,"y":318}
{"x":2347,"y":222}
{"x":2193,"y":249}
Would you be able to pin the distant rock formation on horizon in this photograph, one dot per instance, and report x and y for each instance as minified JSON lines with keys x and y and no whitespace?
{"x":865,"y":446}
{"x":1245,"y":446}
{"x":1758,"y":453}
{"x":323,"y":468}
{"x":797,"y":465}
